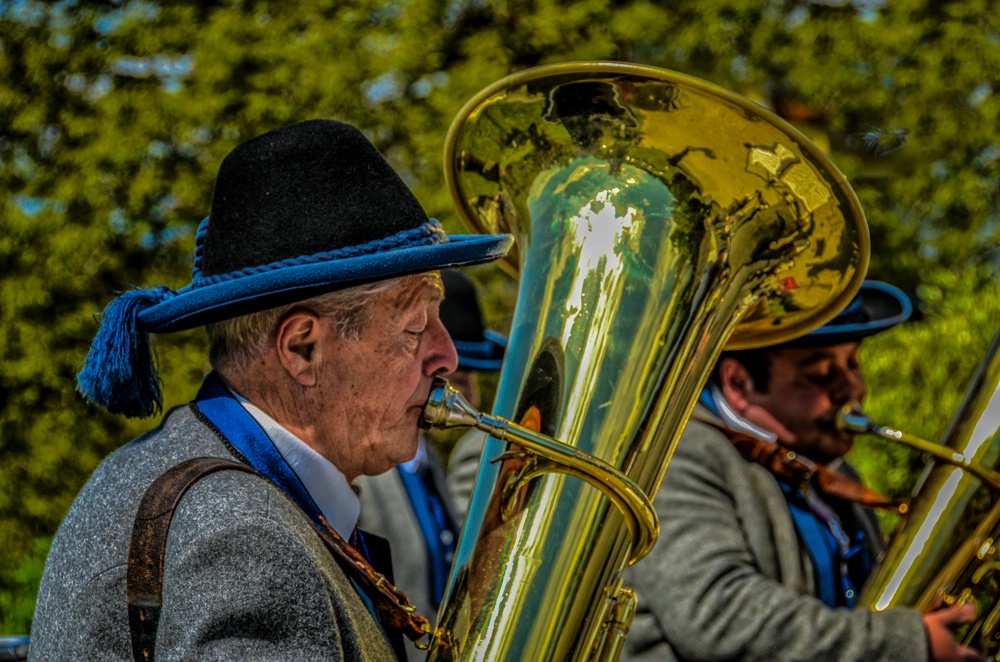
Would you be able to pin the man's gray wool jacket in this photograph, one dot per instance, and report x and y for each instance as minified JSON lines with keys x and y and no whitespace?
{"x":246,"y":577}
{"x":729,"y":579}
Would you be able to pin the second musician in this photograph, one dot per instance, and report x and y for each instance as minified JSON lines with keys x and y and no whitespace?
{"x":767,"y":534}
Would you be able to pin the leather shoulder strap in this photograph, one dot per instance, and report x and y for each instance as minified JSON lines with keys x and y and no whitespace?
{"x":144,"y":576}
{"x":794,"y":469}
{"x":147,"y":549}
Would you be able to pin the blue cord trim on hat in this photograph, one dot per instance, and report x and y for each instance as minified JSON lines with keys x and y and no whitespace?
{"x":855,"y":320}
{"x":199,"y":247}
{"x":429,"y":233}
{"x":119,"y":372}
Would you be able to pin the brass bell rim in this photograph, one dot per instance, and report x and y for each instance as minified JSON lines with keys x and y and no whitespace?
{"x":821,"y":314}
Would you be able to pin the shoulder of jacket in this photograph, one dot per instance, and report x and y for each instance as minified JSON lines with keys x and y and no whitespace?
{"x":700,"y":439}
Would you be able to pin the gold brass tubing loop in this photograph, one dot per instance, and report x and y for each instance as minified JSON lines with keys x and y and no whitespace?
{"x":635,"y":506}
{"x":446,"y":408}
{"x":851,"y":418}
{"x":530,"y":470}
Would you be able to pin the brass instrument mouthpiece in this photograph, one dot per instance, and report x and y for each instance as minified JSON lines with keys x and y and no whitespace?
{"x":852,"y":419}
{"x":447,"y":408}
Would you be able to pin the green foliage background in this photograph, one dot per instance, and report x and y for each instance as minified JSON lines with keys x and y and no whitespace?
{"x":114,"y":117}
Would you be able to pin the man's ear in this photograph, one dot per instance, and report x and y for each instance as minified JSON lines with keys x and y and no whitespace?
{"x":736,"y":384}
{"x":298,"y":345}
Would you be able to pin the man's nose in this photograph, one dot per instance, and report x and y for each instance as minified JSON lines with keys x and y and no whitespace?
{"x":850,"y":387}
{"x":442,"y":358}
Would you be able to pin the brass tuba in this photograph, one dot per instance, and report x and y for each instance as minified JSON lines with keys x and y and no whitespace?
{"x":945,"y":547}
{"x":657,"y":218}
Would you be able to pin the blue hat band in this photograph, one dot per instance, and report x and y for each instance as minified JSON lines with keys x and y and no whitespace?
{"x":858,"y":320}
{"x":481,"y":365}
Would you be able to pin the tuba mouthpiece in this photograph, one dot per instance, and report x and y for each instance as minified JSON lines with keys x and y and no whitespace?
{"x":851,"y":419}
{"x":447,"y":408}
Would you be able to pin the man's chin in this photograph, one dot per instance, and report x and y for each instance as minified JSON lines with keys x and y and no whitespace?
{"x":402,"y":452}
{"x":408,"y":449}
{"x":834,"y":448}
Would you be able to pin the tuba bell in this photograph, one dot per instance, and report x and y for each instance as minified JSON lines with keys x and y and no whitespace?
{"x":657,"y":219}
{"x":944,"y":550}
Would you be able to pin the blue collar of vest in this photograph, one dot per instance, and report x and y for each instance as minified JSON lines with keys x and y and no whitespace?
{"x":217,"y":403}
{"x":225,"y":412}
{"x":836,"y":584}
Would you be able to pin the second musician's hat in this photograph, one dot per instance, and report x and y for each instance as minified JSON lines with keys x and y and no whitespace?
{"x":297,"y":212}
{"x":877,"y":307}
{"x":478,"y":348}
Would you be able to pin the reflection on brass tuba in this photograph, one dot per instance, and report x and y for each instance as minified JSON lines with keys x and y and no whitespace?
{"x":657,"y":218}
{"x":945,"y":546}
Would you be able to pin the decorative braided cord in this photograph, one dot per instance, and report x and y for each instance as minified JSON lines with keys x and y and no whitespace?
{"x":157,"y":294}
{"x":199,"y":248}
{"x":427,"y":234}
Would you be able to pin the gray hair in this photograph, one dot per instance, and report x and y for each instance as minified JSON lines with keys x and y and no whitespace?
{"x":235,"y":343}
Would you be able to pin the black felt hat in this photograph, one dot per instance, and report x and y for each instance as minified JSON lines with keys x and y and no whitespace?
{"x":478,"y":348}
{"x":877,"y":307}
{"x":303,"y":210}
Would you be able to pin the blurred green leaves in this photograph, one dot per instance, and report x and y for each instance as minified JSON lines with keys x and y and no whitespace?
{"x":918,"y":373}
{"x":115,"y":115}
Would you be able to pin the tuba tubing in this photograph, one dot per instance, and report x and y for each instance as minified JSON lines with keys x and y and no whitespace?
{"x":944,"y":549}
{"x":852,"y":419}
{"x":446,"y":408}
{"x":657,"y":218}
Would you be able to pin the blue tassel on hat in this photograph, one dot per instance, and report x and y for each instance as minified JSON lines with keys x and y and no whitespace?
{"x":119,"y":372}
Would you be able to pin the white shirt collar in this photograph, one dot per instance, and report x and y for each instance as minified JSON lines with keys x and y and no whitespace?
{"x":733,"y":420}
{"x":736,"y":422}
{"x":326,"y":484}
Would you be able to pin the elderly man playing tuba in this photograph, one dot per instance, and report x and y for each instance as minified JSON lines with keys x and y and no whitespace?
{"x":316,"y":274}
{"x":410,"y":506}
{"x":767,"y":536}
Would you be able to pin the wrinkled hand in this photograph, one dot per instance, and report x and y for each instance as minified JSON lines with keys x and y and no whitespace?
{"x":940,"y":626}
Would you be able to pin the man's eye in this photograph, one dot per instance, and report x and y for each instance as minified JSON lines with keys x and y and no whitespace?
{"x":818,"y":378}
